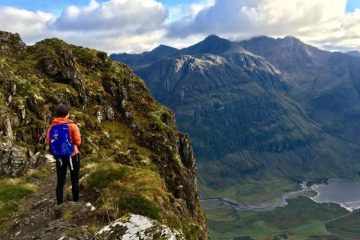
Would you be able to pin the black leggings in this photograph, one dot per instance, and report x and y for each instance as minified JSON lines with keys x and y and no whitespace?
{"x":61,"y":168}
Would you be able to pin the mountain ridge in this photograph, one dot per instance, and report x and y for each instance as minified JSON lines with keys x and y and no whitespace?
{"x":134,"y":158}
{"x":142,"y":59}
{"x":248,"y":121}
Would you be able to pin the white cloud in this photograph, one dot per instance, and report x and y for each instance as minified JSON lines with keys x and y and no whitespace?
{"x":130,"y":16}
{"x":182,"y":11}
{"x":116,"y":43}
{"x":115,"y":25}
{"x":310,"y":20}
{"x":138,"y":25}
{"x":31,"y":25}
{"x":259,"y":16}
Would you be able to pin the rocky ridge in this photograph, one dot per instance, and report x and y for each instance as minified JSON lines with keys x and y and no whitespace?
{"x":262,"y":108}
{"x":134,"y":159}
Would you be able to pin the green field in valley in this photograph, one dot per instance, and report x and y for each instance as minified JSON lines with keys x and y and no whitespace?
{"x":253,"y":192}
{"x":300,"y":219}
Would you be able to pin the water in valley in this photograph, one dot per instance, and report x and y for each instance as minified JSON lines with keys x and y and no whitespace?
{"x":341,"y":191}
{"x":344,"y":192}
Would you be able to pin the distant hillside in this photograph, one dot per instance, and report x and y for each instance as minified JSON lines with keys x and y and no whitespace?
{"x":136,"y":61}
{"x":263,"y":107}
{"x":354,"y":53}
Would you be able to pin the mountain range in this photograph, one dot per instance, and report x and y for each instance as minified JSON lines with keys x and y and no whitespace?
{"x":260,"y":108}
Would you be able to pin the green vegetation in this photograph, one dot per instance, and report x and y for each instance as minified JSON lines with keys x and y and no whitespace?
{"x":12,"y":191}
{"x":38,"y":173}
{"x":130,"y":159}
{"x":140,"y":205}
{"x":253,"y":192}
{"x":104,"y":175}
{"x":347,"y":227}
{"x":121,"y":189}
{"x":300,"y":219}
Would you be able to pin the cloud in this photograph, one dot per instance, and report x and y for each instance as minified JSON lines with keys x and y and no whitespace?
{"x":113,"y":26}
{"x":310,"y":20}
{"x":258,"y":16}
{"x":139,"y":25}
{"x":130,"y":16}
{"x":32,"y":25}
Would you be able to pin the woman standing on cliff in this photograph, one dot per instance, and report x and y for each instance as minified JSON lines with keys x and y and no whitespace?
{"x":63,"y":137}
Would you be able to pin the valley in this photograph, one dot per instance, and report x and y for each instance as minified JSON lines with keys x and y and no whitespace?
{"x":321,"y":209}
{"x":300,"y":219}
{"x":264,"y":114}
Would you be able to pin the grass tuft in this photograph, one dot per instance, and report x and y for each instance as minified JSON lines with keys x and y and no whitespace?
{"x":140,"y":205}
{"x":12,"y":191}
{"x":104,"y":175}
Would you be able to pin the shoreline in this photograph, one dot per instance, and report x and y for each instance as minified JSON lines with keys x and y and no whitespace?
{"x":308,"y":188}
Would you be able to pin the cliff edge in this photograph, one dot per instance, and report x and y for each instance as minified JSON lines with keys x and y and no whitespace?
{"x":135,"y":163}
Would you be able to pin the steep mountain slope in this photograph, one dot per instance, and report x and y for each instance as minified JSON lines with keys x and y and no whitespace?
{"x":326,"y":84}
{"x":354,"y":53}
{"x":211,"y":45}
{"x":136,"y":61}
{"x":247,"y":108}
{"x":134,"y":159}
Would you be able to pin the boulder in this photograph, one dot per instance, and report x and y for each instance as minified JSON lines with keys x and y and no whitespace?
{"x":137,"y":227}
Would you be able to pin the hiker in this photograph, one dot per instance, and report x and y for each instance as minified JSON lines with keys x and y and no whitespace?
{"x":63,"y":139}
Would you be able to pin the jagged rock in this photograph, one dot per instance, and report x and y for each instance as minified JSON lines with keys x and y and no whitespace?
{"x":50,"y":158}
{"x":64,"y":71}
{"x":103,"y":56}
{"x":136,"y":227}
{"x":17,"y":160}
{"x":67,"y":58}
{"x":110,"y":113}
{"x":8,"y":128}
{"x":100,"y":116}
{"x":9,"y":41}
{"x":185,"y":151}
{"x":14,"y":160}
{"x":41,"y":158}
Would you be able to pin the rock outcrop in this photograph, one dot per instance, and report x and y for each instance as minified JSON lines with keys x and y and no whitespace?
{"x":136,"y":227}
{"x":135,"y":160}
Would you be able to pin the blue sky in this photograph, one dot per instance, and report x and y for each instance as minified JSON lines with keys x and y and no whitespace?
{"x":140,"y":25}
{"x":57,"y":6}
{"x":352,"y":5}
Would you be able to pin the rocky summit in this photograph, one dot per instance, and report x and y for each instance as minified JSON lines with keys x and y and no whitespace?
{"x":135,"y":167}
{"x":262,"y":108}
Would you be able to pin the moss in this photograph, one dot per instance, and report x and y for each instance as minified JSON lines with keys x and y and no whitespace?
{"x":140,"y":205}
{"x":67,"y":216}
{"x":35,"y":173}
{"x":104,"y":175}
{"x":12,"y":191}
{"x":125,"y":189}
{"x":65,"y":88}
{"x":6,"y":211}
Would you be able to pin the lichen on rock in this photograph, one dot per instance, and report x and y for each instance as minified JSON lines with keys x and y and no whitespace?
{"x":136,"y":227}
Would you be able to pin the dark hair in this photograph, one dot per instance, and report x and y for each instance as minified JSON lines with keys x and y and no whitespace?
{"x":62,"y":110}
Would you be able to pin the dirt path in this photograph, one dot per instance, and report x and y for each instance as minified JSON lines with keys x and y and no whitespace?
{"x":40,"y":218}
